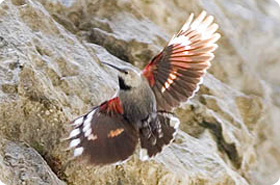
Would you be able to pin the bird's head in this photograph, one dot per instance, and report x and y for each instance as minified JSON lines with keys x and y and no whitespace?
{"x":128,"y":77}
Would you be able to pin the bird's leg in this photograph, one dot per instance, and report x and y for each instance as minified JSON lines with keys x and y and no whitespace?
{"x":149,"y":125}
{"x":158,"y":128}
{"x":156,"y":125}
{"x":145,"y":128}
{"x":151,"y":128}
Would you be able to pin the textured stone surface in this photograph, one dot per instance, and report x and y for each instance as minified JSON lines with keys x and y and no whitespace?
{"x":50,"y":72}
{"x":21,"y":164}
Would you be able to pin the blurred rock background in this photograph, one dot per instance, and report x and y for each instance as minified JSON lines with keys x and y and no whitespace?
{"x":50,"y":72}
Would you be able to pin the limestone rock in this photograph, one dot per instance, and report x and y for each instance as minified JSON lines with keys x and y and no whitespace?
{"x":50,"y":72}
{"x":21,"y":164}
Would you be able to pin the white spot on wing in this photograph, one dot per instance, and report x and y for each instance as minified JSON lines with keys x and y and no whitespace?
{"x":89,"y":116}
{"x":143,"y":154}
{"x":88,"y":121}
{"x":88,"y":132}
{"x":172,"y":76}
{"x":78,"y":121}
{"x":174,"y":122}
{"x":92,"y":137}
{"x":86,"y":126}
{"x":74,"y":143}
{"x":170,"y":81}
{"x":167,"y":85}
{"x":78,"y":151}
{"x":163,"y":89}
{"x":74,"y":133}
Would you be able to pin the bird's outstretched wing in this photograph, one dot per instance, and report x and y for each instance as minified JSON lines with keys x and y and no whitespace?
{"x":104,"y":135}
{"x":176,"y":73}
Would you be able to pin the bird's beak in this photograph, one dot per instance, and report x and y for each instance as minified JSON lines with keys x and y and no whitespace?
{"x":115,"y":67}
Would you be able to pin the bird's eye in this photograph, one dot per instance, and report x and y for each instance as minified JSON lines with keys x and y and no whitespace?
{"x":126,"y":72}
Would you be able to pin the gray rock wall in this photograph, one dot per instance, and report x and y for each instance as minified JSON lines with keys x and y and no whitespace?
{"x":50,"y":72}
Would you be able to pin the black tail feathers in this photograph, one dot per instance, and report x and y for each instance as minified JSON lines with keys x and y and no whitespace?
{"x":162,"y":132}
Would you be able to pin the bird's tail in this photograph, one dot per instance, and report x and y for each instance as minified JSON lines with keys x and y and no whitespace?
{"x":151,"y":146}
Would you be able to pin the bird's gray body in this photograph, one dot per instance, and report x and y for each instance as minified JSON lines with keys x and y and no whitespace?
{"x":139,"y":103}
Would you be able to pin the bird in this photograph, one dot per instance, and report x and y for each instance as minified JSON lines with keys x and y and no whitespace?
{"x":142,"y":110}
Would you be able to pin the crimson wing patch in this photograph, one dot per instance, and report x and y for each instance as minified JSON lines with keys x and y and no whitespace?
{"x":103,"y":135}
{"x":176,"y":73}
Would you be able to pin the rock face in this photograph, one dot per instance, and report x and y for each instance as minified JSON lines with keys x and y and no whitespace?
{"x":50,"y":72}
{"x":21,"y":164}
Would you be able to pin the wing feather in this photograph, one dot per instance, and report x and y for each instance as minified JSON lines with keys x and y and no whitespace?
{"x":178,"y":70}
{"x":103,"y":135}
